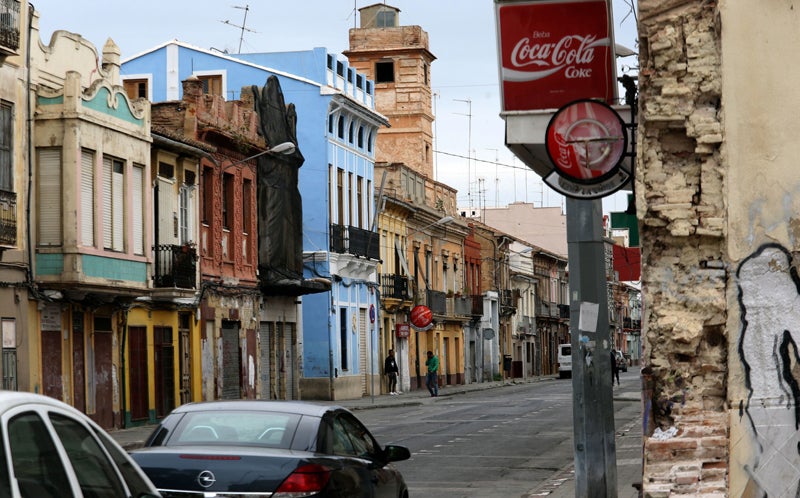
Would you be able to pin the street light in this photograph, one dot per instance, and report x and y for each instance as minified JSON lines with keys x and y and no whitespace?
{"x":283,"y":149}
{"x":441,"y":221}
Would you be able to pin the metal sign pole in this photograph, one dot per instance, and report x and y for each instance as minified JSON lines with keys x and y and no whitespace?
{"x":593,"y":406}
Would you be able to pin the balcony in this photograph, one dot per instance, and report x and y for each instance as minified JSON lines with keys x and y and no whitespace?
{"x":8,"y":218}
{"x":477,"y":305}
{"x":175,"y":266}
{"x":437,"y":302}
{"x":395,"y":287}
{"x":563,"y":311}
{"x":462,"y":306}
{"x":9,"y":27}
{"x":508,"y":302}
{"x":355,"y":241}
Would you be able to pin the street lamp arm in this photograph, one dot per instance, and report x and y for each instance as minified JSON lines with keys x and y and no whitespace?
{"x":284,"y":149}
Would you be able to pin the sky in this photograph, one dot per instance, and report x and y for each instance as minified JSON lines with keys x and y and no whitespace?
{"x":468,"y":130}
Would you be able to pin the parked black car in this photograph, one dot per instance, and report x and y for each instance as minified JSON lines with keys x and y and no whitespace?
{"x":269,"y":448}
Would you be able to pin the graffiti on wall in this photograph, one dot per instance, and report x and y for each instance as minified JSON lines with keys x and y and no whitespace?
{"x":769,"y":299}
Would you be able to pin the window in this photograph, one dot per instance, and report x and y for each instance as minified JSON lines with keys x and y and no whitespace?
{"x":360,"y":137}
{"x":384,"y":72}
{"x":208,"y":195}
{"x":247,"y":209}
{"x":49,"y":201}
{"x":386,"y":19}
{"x":425,"y":73}
{"x":359,"y":202}
{"x":137,"y":216}
{"x":166,"y":170}
{"x":6,"y":146}
{"x":369,"y":142}
{"x":136,"y":89}
{"x":227,"y":201}
{"x":186,"y":214}
{"x":350,"y":132}
{"x":9,"y":331}
{"x":95,"y":473}
{"x":330,"y":124}
{"x":212,"y":83}
{"x":87,"y":198}
{"x":350,"y":206}
{"x":113,"y":204}
{"x":340,"y":194}
{"x":36,"y":462}
{"x":343,"y":346}
{"x":340,"y":131}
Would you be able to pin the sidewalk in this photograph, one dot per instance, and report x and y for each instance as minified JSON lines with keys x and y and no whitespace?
{"x":562,"y":485}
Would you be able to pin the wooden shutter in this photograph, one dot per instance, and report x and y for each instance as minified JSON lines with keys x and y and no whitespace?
{"x":50,"y":197}
{"x":166,"y":211}
{"x":107,"y":220}
{"x":87,"y":198}
{"x":118,"y":201}
{"x":137,"y":217}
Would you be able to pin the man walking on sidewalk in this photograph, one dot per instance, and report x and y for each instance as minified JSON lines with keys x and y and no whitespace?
{"x":433,"y":371}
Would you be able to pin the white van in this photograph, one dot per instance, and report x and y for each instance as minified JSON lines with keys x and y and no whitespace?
{"x":564,"y":360}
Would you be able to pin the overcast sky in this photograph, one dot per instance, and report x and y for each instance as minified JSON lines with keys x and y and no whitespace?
{"x":464,"y":76}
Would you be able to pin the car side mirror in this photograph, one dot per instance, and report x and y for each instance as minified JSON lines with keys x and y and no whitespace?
{"x":394,"y":453}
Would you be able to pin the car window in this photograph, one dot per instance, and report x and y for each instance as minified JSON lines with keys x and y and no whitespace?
{"x":5,"y":480}
{"x":237,"y":427}
{"x":36,"y":462}
{"x":130,"y":473}
{"x":361,"y":443}
{"x":95,"y":472}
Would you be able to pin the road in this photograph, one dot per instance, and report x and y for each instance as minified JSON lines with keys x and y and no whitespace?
{"x":507,"y":442}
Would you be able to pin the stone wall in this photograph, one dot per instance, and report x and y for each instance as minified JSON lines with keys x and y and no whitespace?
{"x":680,"y":181}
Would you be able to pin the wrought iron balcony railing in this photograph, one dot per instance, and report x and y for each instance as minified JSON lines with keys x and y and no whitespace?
{"x":175,"y":266}
{"x":8,"y":218}
{"x":9,"y":24}
{"x":395,"y":287}
{"x":437,"y":302}
{"x":355,"y":241}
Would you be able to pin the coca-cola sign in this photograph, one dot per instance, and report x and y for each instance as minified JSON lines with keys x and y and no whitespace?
{"x":554,"y":52}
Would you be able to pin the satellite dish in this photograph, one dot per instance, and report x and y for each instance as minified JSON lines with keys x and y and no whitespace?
{"x":488,"y":334}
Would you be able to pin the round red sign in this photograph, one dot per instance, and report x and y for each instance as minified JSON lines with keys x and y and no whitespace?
{"x":586,"y":141}
{"x":421,"y":317}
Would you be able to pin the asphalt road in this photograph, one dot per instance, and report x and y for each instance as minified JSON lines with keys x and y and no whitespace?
{"x":514,"y":441}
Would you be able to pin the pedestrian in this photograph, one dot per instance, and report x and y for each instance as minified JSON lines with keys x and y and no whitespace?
{"x":390,"y":369}
{"x":614,"y":367}
{"x":432,"y":380}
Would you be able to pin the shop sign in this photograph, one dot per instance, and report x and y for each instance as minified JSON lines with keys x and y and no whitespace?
{"x":421,"y":317}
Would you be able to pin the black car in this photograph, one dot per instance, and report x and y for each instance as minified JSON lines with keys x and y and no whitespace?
{"x":269,"y":449}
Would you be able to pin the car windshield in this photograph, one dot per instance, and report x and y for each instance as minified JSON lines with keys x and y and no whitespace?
{"x":222,"y":428}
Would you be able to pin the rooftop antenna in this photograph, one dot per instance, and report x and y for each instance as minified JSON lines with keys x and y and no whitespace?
{"x":246,"y":9}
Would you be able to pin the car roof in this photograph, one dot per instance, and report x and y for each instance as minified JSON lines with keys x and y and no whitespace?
{"x":10,"y":399}
{"x":298,"y":407}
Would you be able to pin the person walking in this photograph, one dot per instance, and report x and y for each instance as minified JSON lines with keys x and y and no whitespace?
{"x":390,"y":369}
{"x":432,"y":380}
{"x":614,"y":367}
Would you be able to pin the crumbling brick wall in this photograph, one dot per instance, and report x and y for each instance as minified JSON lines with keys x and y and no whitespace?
{"x":680,"y":201}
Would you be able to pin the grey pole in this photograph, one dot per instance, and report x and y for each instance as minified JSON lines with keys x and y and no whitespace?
{"x":593,"y":406}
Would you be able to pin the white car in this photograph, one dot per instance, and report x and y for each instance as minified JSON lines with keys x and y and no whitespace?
{"x":50,"y":449}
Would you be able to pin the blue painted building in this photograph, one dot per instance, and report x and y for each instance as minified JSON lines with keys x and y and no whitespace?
{"x":333,"y":355}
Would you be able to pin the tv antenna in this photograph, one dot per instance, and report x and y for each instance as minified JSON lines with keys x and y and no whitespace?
{"x":243,"y":27}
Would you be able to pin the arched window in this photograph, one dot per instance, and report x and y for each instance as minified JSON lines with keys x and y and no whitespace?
{"x":369,"y":142}
{"x":350,"y":132}
{"x":341,"y":127}
{"x":360,"y":137}
{"x":330,"y":124}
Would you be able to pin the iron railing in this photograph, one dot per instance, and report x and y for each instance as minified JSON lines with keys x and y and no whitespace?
{"x":395,"y":287}
{"x":175,"y":266}
{"x":355,"y":241}
{"x":8,"y":218}
{"x":437,"y":302}
{"x":9,"y":24}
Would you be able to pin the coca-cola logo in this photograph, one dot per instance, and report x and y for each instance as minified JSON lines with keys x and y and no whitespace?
{"x":550,"y":57}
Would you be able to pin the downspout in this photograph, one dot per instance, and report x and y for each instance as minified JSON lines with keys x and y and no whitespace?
{"x":123,"y":370}
{"x":29,"y":274}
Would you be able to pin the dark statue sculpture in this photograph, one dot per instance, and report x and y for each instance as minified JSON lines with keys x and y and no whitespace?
{"x":280,"y":210}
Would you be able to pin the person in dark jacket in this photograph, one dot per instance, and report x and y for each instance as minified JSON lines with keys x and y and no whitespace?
{"x":614,"y":367}
{"x":390,"y":369}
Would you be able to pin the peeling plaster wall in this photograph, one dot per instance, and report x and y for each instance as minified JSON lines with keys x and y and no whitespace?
{"x":718,"y":199}
{"x":680,"y":182}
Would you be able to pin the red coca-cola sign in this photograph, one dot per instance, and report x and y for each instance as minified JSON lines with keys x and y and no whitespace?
{"x":554,"y":52}
{"x":421,"y":317}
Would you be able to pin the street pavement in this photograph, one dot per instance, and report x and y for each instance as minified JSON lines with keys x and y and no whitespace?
{"x":561,"y":485}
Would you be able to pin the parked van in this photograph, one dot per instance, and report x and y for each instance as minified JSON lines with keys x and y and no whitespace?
{"x":564,"y":360}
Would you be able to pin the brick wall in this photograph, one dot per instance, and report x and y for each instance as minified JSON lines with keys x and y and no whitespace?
{"x":681,"y":207}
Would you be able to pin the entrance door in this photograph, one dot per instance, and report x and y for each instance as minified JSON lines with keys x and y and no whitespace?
{"x":164,"y":359}
{"x":231,"y":361}
{"x":184,"y":349}
{"x":78,"y":362}
{"x":137,"y":341}
{"x":52,"y":377}
{"x":265,"y":376}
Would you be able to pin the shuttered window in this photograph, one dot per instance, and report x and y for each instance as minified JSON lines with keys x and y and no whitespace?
{"x":49,"y":200}
{"x":137,"y":216}
{"x":6,"y":146}
{"x":87,"y":198}
{"x":166,"y":211}
{"x":113,"y":204}
{"x":187,"y":213}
